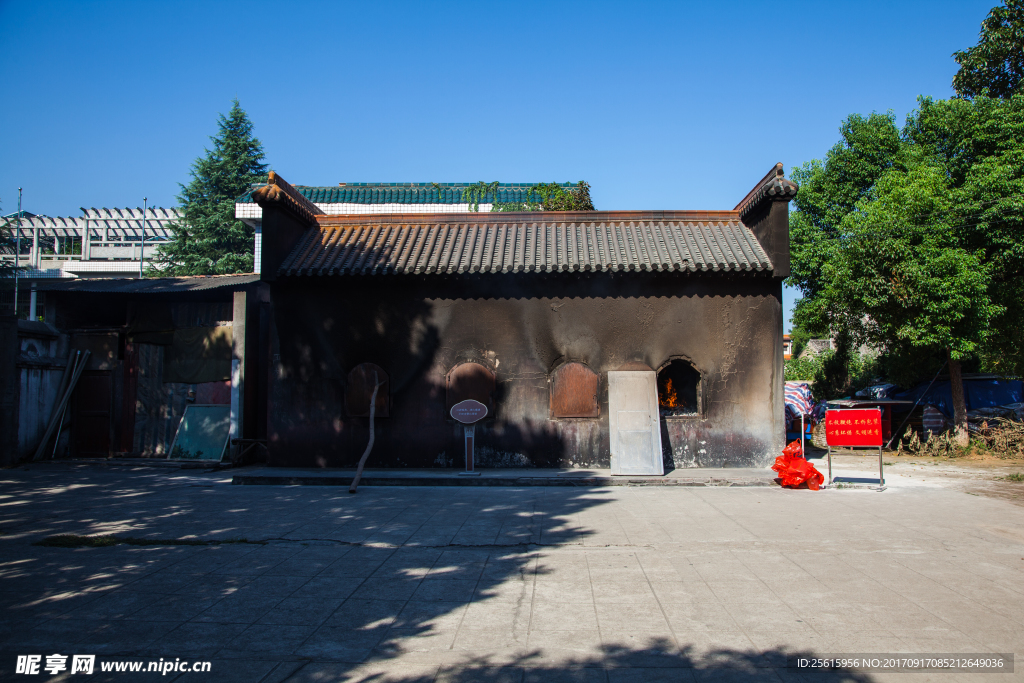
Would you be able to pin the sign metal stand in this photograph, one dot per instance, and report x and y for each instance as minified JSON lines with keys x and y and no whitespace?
{"x":803,"y":431}
{"x":469,"y":412}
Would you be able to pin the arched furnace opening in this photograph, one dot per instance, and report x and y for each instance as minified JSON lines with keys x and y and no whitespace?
{"x":679,"y":389}
{"x":470,"y":381}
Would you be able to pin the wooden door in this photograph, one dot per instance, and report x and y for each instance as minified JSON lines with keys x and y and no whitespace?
{"x":634,"y":422}
{"x":129,"y":394}
{"x":92,"y":415}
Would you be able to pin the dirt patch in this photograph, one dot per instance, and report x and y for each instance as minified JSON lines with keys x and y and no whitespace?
{"x":976,"y":458}
{"x":1011,"y":492}
{"x":978,"y":473}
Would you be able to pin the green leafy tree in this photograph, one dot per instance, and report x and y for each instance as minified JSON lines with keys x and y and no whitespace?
{"x":913,"y":240}
{"x":906,"y":277}
{"x":929,"y":257}
{"x":829,"y":191}
{"x":801,"y":368}
{"x":979,"y":146}
{"x":209,"y":240}
{"x":996,"y":64}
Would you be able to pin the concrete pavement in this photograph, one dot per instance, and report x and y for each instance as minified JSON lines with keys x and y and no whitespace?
{"x":503,"y":584}
{"x":277,"y":476}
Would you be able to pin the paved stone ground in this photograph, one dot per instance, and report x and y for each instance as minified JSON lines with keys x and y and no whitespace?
{"x":277,"y":476}
{"x":503,"y":584}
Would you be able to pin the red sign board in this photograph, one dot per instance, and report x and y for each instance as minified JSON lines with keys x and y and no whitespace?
{"x":469,"y":411}
{"x":853,"y":427}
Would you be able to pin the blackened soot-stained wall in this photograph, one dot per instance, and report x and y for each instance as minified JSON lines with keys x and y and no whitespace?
{"x":522,"y":326}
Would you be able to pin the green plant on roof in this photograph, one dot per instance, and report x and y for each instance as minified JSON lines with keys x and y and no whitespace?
{"x":531,"y":202}
{"x":473,"y":194}
{"x":554,"y":197}
{"x":539,"y":197}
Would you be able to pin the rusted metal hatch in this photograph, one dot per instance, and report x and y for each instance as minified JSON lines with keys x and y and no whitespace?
{"x":470,"y":380}
{"x":574,"y":391}
{"x":359,"y":389}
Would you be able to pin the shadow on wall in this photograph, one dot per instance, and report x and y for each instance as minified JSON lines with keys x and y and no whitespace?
{"x":535,"y":443}
{"x":315,"y":348}
{"x":318,"y":352}
{"x":419,"y":330}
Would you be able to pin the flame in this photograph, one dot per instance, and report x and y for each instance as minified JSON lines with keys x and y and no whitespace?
{"x":668,"y":398}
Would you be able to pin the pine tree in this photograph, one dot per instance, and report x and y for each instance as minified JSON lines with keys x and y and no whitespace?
{"x":210,"y":241}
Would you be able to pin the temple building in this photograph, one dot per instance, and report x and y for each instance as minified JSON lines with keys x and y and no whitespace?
{"x":636,"y":340}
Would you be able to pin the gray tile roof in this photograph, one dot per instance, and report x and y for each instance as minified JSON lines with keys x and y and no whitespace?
{"x":685,"y":241}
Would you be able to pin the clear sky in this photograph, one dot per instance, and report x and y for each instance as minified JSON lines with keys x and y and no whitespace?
{"x":658,"y":105}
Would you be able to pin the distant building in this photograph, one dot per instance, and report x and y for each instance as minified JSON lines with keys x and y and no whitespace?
{"x":99,"y":243}
{"x":787,"y":347}
{"x":817,"y":346}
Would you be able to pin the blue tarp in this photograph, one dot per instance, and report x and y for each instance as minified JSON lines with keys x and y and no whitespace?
{"x":978,"y":393}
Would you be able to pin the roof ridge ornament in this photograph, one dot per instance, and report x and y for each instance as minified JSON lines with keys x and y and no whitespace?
{"x":279,"y":192}
{"x":774,"y":187}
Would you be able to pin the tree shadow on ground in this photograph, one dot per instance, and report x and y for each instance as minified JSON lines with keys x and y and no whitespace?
{"x":329,"y":586}
{"x":660,"y":660}
{"x":323,"y":574}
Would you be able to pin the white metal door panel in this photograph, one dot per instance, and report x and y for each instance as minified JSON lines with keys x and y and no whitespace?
{"x":633,"y":420}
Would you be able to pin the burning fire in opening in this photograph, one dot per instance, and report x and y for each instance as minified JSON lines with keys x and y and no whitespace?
{"x":669,"y":398}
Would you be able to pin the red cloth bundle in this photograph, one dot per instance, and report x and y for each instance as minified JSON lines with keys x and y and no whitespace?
{"x":794,"y":471}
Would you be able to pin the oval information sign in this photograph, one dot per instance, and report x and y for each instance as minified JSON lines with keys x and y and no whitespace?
{"x":469,"y":411}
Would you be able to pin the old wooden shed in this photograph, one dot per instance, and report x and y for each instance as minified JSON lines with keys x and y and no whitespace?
{"x":156,"y":346}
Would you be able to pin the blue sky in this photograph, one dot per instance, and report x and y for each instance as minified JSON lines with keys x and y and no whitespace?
{"x":674,"y":105}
